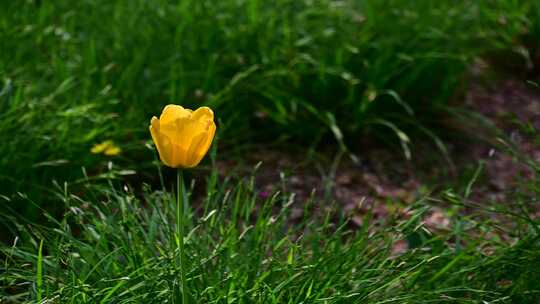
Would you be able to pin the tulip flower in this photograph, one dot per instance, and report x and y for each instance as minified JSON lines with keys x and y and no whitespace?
{"x":183,"y":136}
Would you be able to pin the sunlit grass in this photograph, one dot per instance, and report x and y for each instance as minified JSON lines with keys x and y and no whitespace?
{"x":116,"y":244}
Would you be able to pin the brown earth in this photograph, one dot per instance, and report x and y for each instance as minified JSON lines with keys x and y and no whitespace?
{"x":384,"y":183}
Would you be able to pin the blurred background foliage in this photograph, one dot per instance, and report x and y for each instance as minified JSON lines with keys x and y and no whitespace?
{"x":77,"y":73}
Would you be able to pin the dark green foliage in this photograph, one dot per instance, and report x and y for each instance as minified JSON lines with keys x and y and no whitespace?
{"x":78,"y":72}
{"x":75,"y":73}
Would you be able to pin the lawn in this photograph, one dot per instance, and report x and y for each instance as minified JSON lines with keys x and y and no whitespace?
{"x":366,"y":152}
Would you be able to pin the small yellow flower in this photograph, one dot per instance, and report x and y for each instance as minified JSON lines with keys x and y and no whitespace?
{"x":183,"y":136}
{"x":107,"y":147}
{"x":112,"y":151}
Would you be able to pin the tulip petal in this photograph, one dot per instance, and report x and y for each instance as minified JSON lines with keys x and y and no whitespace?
{"x":208,"y":140}
{"x":203,"y":113}
{"x":178,"y":158}
{"x":162,"y":142}
{"x":189,"y":129}
{"x":173,"y":130}
{"x":172,"y":113}
{"x":154,"y":131}
{"x":167,"y":151}
{"x":193,"y":155}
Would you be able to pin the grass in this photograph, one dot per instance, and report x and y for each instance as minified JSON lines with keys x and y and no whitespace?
{"x":91,"y":228}
{"x":117,"y":245}
{"x":75,"y":74}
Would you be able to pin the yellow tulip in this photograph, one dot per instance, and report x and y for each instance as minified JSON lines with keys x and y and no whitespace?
{"x":183,"y":136}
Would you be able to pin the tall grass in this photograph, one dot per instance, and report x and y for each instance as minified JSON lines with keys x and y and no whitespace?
{"x":76,"y":73}
{"x":116,"y":245}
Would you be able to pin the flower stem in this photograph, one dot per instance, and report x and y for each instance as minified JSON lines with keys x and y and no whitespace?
{"x":180,"y":203}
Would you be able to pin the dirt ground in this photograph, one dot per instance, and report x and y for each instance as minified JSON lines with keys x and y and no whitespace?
{"x":384,"y":182}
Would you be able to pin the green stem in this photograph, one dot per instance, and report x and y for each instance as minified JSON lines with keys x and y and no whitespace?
{"x":180,"y":203}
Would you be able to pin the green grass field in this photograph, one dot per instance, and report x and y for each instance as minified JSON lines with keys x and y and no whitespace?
{"x":319,"y":77}
{"x":75,"y":74}
{"x":116,"y":247}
